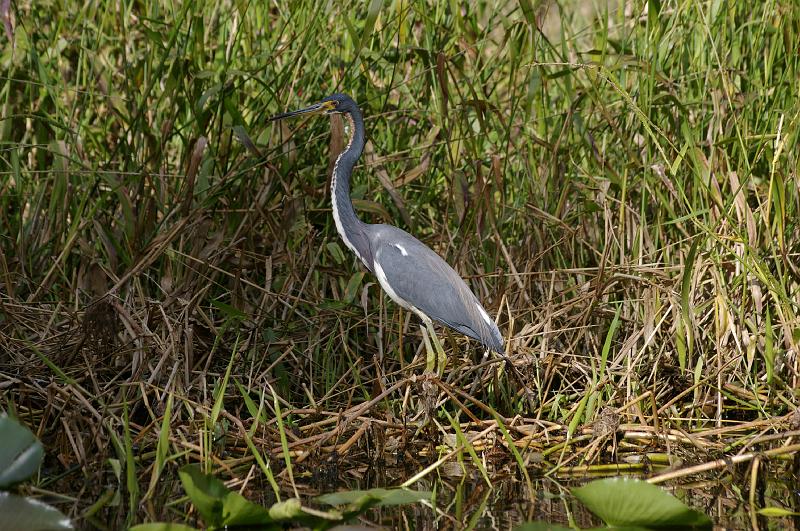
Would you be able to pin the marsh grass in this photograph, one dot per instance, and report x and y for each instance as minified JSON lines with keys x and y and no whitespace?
{"x":617,"y":181}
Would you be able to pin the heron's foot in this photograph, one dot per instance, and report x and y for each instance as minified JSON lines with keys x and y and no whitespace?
{"x":427,"y":386}
{"x":428,"y":395}
{"x":424,"y":378}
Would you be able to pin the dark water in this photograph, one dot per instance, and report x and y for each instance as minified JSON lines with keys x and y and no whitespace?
{"x":463,"y":499}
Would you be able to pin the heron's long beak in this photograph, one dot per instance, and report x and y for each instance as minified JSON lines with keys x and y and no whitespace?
{"x":317,"y":108}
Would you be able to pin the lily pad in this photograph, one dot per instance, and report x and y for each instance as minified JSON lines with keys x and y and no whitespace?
{"x":218,"y":505}
{"x":18,"y":512}
{"x":20,"y":454}
{"x":627,"y":502}
{"x":382,"y":497}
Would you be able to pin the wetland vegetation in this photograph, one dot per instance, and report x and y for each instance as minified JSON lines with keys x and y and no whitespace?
{"x":616,"y":180}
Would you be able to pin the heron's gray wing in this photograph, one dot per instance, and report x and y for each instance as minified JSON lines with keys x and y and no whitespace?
{"x":419,"y":279}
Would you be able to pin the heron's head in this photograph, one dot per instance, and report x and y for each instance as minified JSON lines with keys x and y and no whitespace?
{"x":333,"y":104}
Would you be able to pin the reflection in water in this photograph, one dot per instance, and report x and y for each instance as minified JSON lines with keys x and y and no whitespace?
{"x":463,"y":498}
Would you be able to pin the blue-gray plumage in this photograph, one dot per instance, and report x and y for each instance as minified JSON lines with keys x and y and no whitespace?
{"x":412,"y":274}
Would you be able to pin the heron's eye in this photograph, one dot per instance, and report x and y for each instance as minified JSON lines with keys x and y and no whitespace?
{"x":330,"y":106}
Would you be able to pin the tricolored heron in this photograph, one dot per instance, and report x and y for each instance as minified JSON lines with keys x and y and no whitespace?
{"x":413,"y":275}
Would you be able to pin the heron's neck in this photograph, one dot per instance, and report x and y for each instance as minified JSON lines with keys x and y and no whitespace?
{"x":350,"y":228}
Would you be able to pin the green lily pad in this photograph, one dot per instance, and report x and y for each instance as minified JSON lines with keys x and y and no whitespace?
{"x":18,"y":512}
{"x":218,"y":505}
{"x":20,"y":454}
{"x":381,"y":497}
{"x":627,"y":502}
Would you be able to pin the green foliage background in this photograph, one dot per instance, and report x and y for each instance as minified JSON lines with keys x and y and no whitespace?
{"x":617,"y":181}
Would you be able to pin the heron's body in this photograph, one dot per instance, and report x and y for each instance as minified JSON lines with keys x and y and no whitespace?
{"x":412,"y":274}
{"x":443,"y":297}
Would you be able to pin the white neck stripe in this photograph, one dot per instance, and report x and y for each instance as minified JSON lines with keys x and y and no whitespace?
{"x":336,"y":217}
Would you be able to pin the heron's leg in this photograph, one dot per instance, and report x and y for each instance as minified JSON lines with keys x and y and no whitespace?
{"x":441,"y":357}
{"x":430,"y":358}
